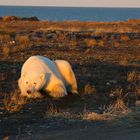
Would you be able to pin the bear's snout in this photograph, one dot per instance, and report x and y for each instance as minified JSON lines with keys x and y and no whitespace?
{"x":28,"y":91}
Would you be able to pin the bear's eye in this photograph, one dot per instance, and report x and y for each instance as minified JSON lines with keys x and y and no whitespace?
{"x":26,"y":82}
{"x":34,"y":83}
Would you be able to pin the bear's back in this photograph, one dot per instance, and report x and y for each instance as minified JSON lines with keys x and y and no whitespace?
{"x":39,"y":64}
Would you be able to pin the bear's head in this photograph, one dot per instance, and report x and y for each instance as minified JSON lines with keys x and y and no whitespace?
{"x":31,"y":83}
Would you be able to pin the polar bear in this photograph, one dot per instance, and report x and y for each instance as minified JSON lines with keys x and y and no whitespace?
{"x":55,"y":78}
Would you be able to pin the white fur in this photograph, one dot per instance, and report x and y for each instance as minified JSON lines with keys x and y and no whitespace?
{"x":40,"y":73}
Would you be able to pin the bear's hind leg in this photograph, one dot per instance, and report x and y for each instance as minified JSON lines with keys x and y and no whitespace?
{"x":72,"y":88}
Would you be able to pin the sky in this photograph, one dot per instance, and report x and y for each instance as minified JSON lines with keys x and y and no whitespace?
{"x":75,"y":3}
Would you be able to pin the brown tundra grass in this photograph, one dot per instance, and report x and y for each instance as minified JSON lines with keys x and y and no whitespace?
{"x":94,"y":116}
{"x":5,"y":38}
{"x":132,"y":76}
{"x":101,"y":43}
{"x":89,"y":89}
{"x":124,"y":38}
{"x":14,"y":102}
{"x":117,"y":109}
{"x":90,"y":42}
{"x":6,"y":51}
{"x":54,"y":111}
{"x":22,"y":39}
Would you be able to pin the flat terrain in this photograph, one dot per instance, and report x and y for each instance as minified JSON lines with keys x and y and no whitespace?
{"x":105,"y":57}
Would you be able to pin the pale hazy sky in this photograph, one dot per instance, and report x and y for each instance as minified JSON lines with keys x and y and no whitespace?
{"x":91,"y":3}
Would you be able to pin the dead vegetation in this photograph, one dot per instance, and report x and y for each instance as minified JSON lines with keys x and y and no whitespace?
{"x":117,"y":108}
{"x":89,"y":89}
{"x":22,"y":40}
{"x":133,"y":88}
{"x":18,"y":36}
{"x":98,"y":27}
{"x":92,"y":116}
{"x":6,"y":51}
{"x":104,"y":56}
{"x":132,"y":76}
{"x":54,"y":112}
{"x":14,"y":102}
{"x":91,"y":42}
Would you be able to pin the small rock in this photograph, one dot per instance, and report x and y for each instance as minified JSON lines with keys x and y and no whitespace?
{"x":107,"y":83}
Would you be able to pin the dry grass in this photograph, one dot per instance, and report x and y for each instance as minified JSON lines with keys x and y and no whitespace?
{"x":101,"y":43}
{"x":24,"y":39}
{"x":116,"y":92}
{"x":138,"y":91}
{"x":132,"y":76}
{"x":124,"y":38}
{"x":117,"y":108}
{"x":5,"y":38}
{"x":73,"y":43}
{"x":14,"y":102}
{"x":90,"y":42}
{"x":6,"y":51}
{"x":97,"y":27}
{"x":92,"y":116}
{"x":54,"y":111}
{"x":116,"y":44}
{"x":124,"y":61}
{"x":114,"y":110}
{"x":61,"y":37}
{"x":89,"y":89}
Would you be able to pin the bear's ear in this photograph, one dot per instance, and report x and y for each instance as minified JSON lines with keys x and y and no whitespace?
{"x":24,"y":75}
{"x":42,"y":76}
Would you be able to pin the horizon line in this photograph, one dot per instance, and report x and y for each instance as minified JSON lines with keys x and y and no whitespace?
{"x":72,"y":6}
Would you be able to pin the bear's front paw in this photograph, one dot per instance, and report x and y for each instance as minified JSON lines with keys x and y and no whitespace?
{"x":34,"y":95}
{"x":37,"y":95}
{"x":58,"y":91}
{"x":57,"y":94}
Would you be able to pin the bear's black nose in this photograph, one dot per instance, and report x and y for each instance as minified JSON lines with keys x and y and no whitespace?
{"x":28,"y":91}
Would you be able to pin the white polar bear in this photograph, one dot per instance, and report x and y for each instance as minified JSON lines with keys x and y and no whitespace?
{"x":54,"y":77}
